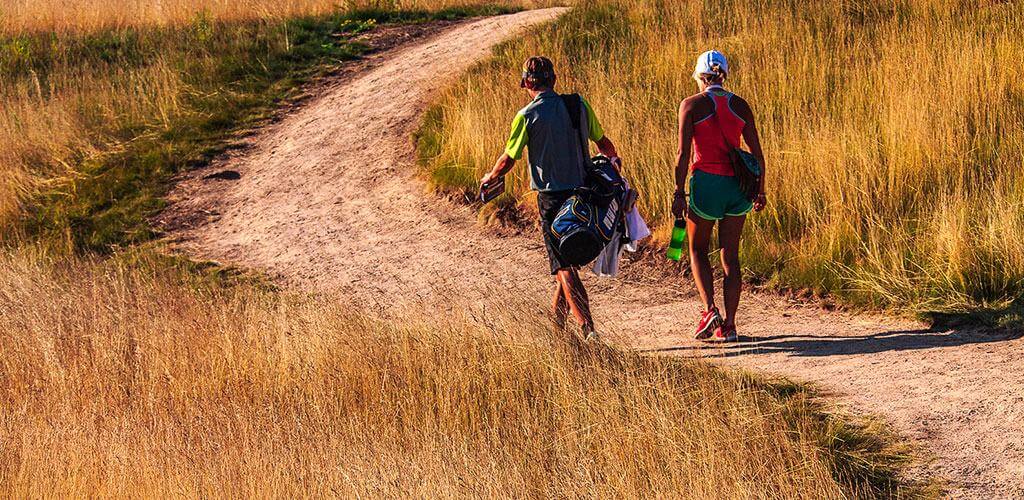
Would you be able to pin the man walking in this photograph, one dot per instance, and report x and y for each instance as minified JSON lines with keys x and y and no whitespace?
{"x":557,"y":167}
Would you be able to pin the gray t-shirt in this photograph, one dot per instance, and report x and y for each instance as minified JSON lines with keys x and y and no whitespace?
{"x":543,"y":127}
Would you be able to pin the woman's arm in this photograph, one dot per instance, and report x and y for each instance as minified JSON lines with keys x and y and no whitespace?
{"x":753,"y":140}
{"x":682,"y":158}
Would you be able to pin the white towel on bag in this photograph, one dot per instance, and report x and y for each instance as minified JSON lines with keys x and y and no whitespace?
{"x":607,"y":263}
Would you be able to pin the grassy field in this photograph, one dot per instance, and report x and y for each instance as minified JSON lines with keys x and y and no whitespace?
{"x":134,"y":374}
{"x":127,"y":377}
{"x":892,"y":130}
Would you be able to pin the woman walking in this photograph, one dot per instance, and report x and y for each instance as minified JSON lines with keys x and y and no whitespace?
{"x":711,"y":123}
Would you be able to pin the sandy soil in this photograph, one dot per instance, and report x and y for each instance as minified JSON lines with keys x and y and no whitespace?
{"x":326,"y":198}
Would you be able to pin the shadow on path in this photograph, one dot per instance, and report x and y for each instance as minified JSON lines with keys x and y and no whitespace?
{"x":830,"y":345}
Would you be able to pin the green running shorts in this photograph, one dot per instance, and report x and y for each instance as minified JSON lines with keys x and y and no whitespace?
{"x":713,"y":197}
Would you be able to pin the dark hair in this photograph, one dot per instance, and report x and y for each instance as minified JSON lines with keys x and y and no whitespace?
{"x":538,"y":71}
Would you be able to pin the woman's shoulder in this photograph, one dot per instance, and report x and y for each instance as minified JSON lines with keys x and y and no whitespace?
{"x":736,"y":98}
{"x":740,"y":106}
{"x":699,"y":96}
{"x":693,"y":100}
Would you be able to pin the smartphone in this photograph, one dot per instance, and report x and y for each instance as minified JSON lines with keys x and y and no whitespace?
{"x":492,"y":189}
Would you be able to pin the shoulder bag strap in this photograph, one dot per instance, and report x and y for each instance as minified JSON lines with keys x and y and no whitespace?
{"x":574,"y":105}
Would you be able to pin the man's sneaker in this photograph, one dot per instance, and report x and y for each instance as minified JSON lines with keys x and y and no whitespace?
{"x":723,"y":335}
{"x":593,"y":336}
{"x":709,"y":320}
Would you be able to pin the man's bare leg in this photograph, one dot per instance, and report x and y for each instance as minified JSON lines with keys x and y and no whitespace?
{"x":560,"y":305}
{"x":576,"y":297}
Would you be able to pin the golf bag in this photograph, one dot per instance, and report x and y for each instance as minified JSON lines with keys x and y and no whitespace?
{"x":588,"y":220}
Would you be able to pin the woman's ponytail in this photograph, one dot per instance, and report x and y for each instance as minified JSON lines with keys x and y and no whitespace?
{"x":714,"y":75}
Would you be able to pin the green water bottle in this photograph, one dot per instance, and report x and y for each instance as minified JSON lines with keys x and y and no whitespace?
{"x":675,"y":247}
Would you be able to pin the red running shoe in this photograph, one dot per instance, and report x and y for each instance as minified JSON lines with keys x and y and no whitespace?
{"x":709,"y":321}
{"x":724,"y":334}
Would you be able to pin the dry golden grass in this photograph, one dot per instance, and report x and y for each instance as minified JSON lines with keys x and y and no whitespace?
{"x":892,"y":130}
{"x":21,"y":16}
{"x":118,"y":378}
{"x":48,"y":128}
{"x":83,"y":80}
{"x":123,"y":377}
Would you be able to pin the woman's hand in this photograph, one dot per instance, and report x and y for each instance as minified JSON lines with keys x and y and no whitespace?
{"x":679,"y":205}
{"x":760,"y":202}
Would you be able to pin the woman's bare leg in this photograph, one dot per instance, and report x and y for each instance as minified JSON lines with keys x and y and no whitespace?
{"x":729,"y":231}
{"x":698,"y":232}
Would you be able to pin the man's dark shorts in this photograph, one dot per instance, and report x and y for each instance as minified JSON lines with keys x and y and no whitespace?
{"x":548,"y":203}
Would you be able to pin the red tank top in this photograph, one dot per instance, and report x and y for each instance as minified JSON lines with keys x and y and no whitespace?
{"x":710,"y":151}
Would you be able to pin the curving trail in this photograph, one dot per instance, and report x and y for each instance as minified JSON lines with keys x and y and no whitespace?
{"x":309,"y":208}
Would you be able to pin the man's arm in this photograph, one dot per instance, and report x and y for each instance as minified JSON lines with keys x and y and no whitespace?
{"x":604,"y":144}
{"x":607,"y":148}
{"x":513,"y":150}
{"x":501,"y":167}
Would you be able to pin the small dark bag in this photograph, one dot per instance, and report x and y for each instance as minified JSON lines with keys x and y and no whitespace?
{"x":745,"y":166}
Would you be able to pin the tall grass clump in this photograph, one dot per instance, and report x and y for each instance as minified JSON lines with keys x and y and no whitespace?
{"x":103,"y":101}
{"x":93,"y":122}
{"x":33,"y":16}
{"x":122,"y":377}
{"x":892,"y":129}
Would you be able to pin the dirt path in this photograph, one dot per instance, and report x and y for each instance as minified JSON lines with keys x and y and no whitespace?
{"x":310,"y":208}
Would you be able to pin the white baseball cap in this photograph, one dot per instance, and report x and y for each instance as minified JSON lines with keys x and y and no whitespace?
{"x":710,"y":63}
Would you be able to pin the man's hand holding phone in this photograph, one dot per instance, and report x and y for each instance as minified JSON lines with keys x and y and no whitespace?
{"x":491,"y":186}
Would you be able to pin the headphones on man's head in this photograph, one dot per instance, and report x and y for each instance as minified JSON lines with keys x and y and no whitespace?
{"x":535,"y":76}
